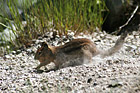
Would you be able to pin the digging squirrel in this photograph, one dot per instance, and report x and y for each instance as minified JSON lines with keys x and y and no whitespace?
{"x":76,"y":52}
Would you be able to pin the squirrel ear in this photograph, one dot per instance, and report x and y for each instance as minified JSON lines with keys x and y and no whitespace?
{"x":44,"y":44}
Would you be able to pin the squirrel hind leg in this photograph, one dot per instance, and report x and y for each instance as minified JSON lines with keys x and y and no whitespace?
{"x":87,"y":57}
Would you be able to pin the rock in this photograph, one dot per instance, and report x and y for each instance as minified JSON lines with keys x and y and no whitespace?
{"x":116,"y":15}
{"x":89,"y":80}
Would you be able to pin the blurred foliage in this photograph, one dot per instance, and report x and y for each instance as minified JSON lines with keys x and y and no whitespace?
{"x":52,"y":15}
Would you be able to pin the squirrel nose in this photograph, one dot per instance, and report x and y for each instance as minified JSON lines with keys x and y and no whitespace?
{"x":35,"y":57}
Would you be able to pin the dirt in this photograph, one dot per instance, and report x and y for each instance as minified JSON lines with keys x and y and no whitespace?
{"x":119,"y":73}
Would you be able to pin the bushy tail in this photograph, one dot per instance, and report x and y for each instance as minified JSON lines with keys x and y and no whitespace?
{"x":116,"y":47}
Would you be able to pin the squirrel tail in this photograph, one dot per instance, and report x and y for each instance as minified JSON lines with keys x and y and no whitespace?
{"x":119,"y":43}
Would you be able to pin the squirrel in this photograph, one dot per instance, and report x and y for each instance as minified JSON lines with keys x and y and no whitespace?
{"x":76,"y":52}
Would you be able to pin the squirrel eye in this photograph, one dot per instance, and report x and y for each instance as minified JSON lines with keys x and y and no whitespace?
{"x":39,"y":51}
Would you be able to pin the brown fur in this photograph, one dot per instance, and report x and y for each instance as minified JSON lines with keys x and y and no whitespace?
{"x":73,"y":53}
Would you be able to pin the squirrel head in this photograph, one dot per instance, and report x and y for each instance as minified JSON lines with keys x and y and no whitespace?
{"x":44,"y":53}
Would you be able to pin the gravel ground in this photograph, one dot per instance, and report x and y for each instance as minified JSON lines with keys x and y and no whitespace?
{"x":119,"y":73}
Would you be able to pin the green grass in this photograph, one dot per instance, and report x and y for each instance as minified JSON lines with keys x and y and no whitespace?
{"x":61,"y":15}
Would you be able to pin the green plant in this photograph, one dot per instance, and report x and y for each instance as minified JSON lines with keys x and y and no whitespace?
{"x":49,"y":15}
